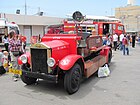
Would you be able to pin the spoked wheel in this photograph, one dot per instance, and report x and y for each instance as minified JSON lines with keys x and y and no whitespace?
{"x":72,"y":79}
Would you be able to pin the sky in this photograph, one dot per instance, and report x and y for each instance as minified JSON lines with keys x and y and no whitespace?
{"x":60,"y":8}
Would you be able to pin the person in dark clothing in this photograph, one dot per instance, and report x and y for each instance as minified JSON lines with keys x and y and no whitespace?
{"x":133,"y":40}
{"x":125,"y":45}
{"x":6,"y":42}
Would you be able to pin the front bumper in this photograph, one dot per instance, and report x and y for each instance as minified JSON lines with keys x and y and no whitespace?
{"x":47,"y":77}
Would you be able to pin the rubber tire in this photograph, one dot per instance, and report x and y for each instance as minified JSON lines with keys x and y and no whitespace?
{"x":69,"y":83}
{"x":28,"y":80}
{"x":109,"y":57}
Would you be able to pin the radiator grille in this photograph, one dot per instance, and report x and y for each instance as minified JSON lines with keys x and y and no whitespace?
{"x":39,"y":60}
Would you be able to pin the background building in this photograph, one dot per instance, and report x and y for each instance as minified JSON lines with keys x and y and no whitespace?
{"x":32,"y":25}
{"x":130,"y":16}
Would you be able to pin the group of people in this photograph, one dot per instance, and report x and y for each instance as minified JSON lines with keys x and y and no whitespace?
{"x":14,"y":47}
{"x":120,"y":42}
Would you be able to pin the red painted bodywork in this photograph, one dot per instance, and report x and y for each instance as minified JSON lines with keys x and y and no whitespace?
{"x":114,"y":29}
{"x":71,"y":39}
{"x":70,"y":26}
{"x":105,"y":52}
{"x":64,"y":49}
{"x":61,"y":46}
{"x":28,"y":57}
{"x":59,"y":49}
{"x":67,"y":62}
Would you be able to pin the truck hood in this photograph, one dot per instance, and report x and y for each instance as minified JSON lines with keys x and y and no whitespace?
{"x":54,"y":44}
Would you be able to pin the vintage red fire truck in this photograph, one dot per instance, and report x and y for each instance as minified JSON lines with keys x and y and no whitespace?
{"x":55,"y":29}
{"x":97,"y":25}
{"x":68,"y":57}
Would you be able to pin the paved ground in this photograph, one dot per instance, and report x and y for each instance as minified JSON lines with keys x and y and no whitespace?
{"x":122,"y":87}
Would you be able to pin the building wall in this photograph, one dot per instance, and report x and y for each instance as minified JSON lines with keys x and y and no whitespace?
{"x":33,"y":20}
{"x":21,"y":29}
{"x":32,"y":25}
{"x":36,"y":30}
{"x":130,"y":17}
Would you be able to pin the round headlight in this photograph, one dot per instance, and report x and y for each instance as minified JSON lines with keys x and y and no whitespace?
{"x":51,"y":62}
{"x":24,"y":59}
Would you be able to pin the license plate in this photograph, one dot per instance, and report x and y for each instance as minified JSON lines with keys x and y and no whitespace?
{"x":14,"y":71}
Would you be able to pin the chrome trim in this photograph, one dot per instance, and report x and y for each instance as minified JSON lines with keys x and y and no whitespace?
{"x":40,"y":45}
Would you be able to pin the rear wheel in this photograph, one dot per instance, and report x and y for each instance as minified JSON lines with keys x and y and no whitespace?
{"x":109,"y":57}
{"x":72,"y":79}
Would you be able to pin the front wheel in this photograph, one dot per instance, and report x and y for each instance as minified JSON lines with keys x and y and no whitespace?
{"x":27,"y":80}
{"x":72,"y":79}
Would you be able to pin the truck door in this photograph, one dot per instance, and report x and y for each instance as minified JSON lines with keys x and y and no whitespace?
{"x":105,"y":28}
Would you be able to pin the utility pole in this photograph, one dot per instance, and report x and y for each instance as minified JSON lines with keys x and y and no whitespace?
{"x":25,"y":8}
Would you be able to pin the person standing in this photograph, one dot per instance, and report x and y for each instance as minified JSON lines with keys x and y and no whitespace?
{"x":5,"y":60}
{"x":121,"y":38}
{"x":14,"y":48}
{"x":128,"y":36}
{"x":115,"y":40}
{"x":39,"y":38}
{"x":22,"y":40}
{"x":125,"y":45}
{"x":2,"y":70}
{"x":109,"y":41}
{"x":133,"y":40}
{"x":6,"y":42}
{"x":104,"y":38}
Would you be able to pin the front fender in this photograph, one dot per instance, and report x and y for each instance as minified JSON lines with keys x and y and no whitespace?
{"x":105,"y":52}
{"x":28,"y":57}
{"x":67,"y":62}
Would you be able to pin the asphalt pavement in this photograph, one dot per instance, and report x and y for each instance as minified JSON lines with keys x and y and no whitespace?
{"x":122,"y":87}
